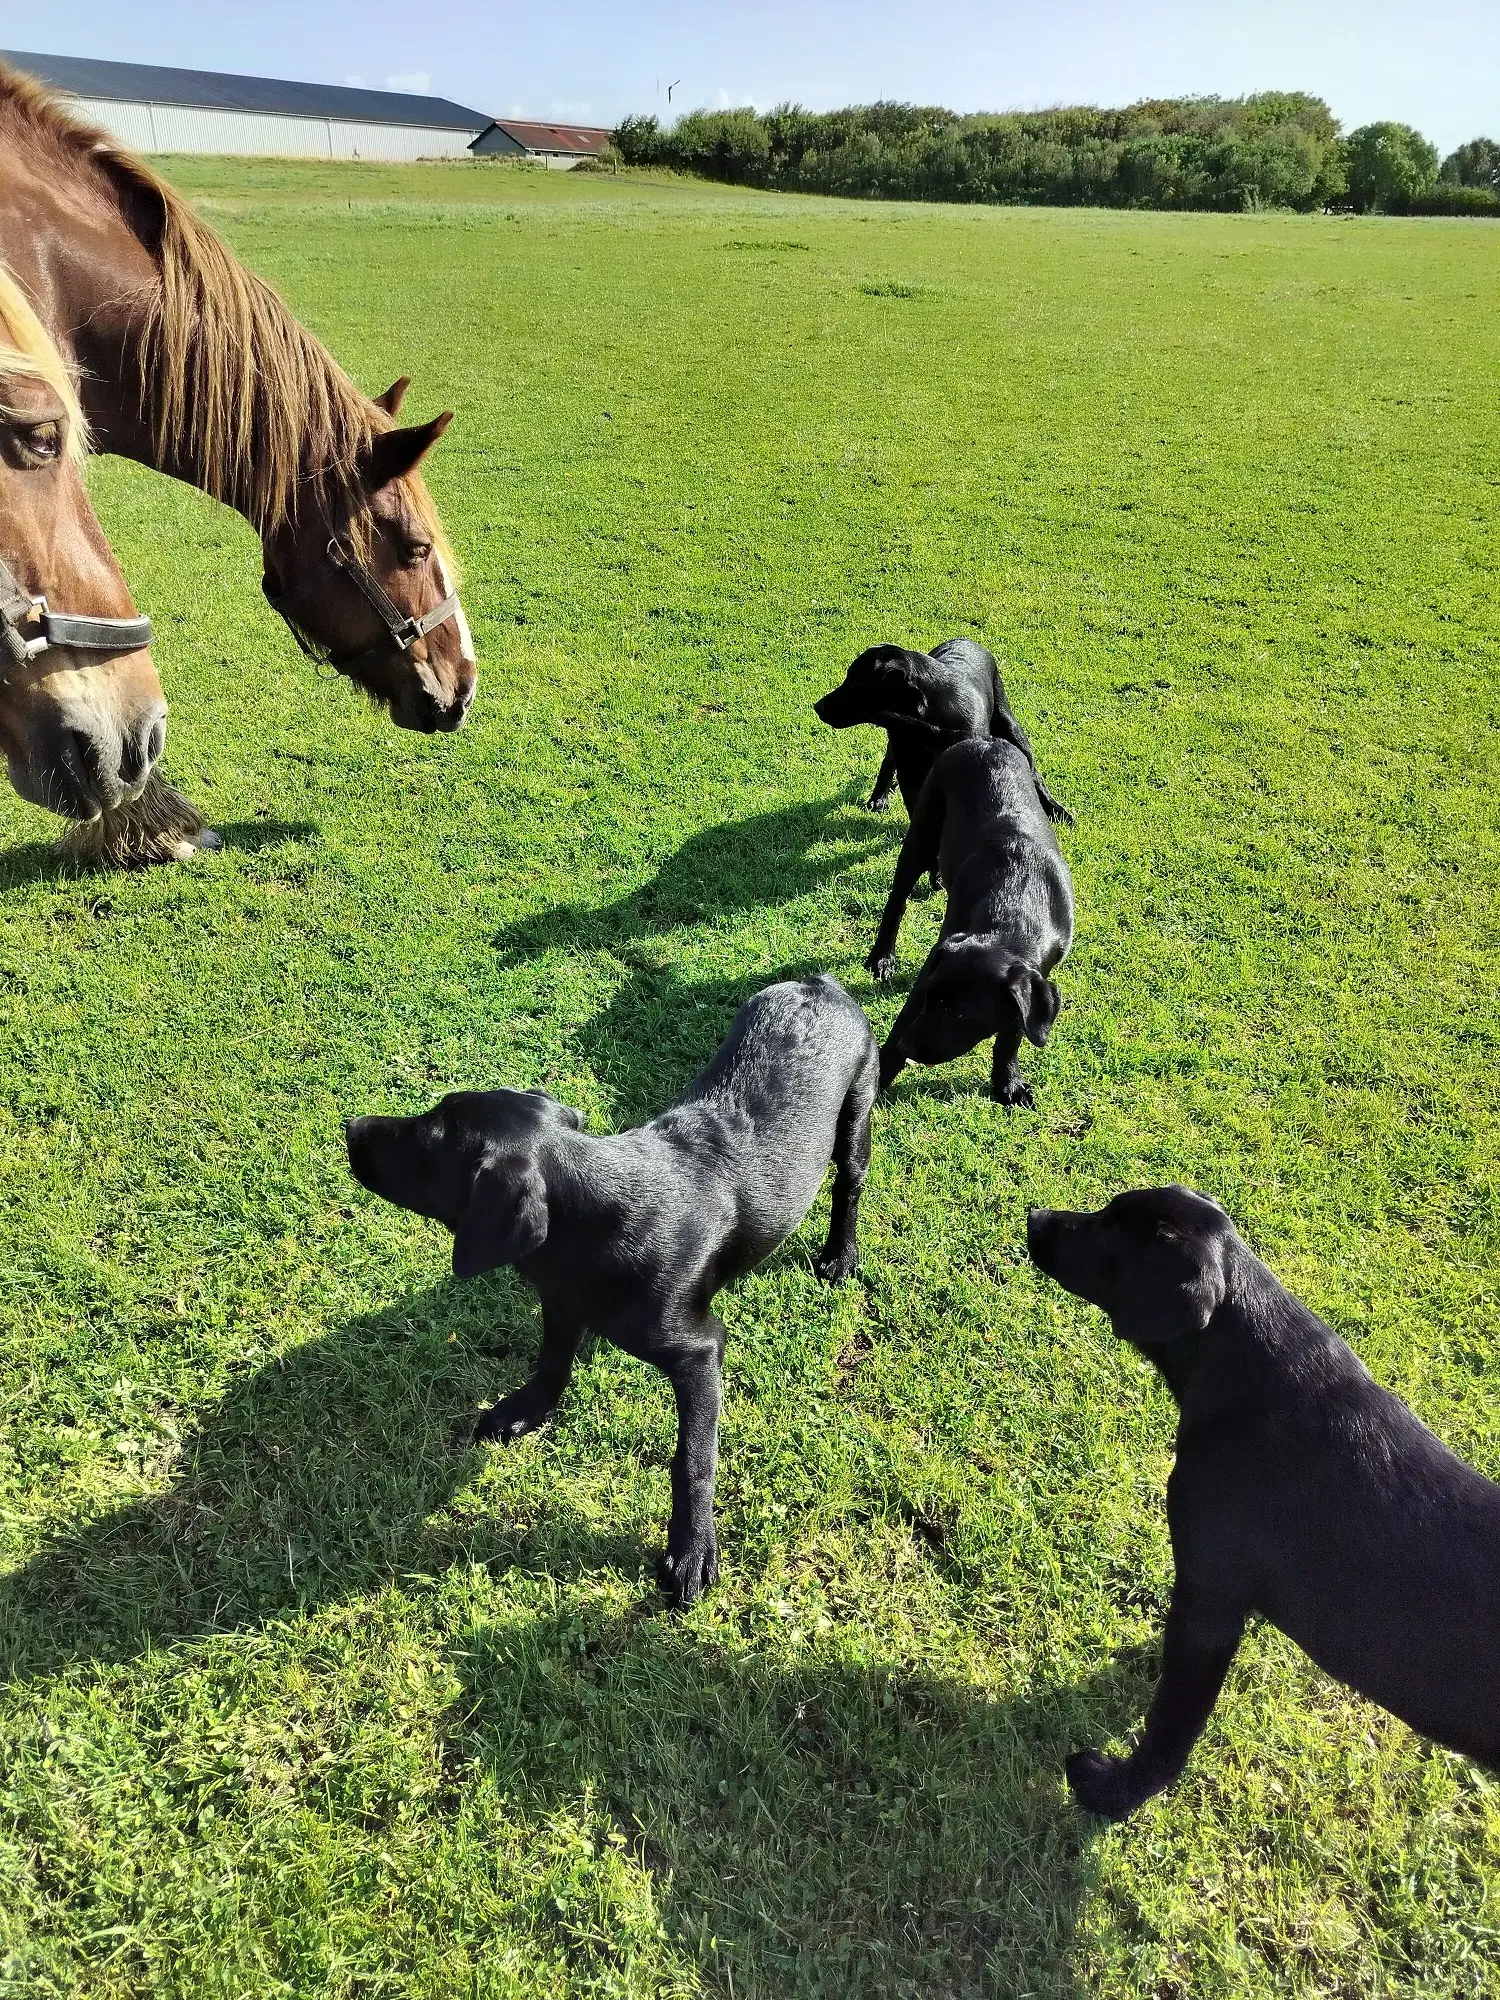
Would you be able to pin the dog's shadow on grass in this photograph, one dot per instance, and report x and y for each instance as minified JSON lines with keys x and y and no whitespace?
{"x":314,"y":1478}
{"x":838,"y":1826}
{"x":834,"y":1827}
{"x":742,"y":865}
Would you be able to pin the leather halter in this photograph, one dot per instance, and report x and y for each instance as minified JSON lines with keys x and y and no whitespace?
{"x":29,"y":626}
{"x":402,"y":632}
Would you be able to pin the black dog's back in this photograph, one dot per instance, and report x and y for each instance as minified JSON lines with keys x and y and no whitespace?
{"x":790,"y":1050}
{"x":999,"y":855}
{"x":1370,"y":1543}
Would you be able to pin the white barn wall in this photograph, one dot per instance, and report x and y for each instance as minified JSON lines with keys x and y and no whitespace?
{"x":181,"y":128}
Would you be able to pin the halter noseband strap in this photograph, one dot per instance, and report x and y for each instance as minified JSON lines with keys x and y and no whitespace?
{"x":402,"y":632}
{"x":29,"y":626}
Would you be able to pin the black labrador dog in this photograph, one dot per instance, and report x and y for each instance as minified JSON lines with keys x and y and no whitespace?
{"x":923,"y":702}
{"x":1302,"y":1491}
{"x":631,"y":1236}
{"x":1009,"y":918}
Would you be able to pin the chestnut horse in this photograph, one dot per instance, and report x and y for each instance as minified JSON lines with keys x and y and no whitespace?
{"x":192,"y":365}
{"x":81,"y":711}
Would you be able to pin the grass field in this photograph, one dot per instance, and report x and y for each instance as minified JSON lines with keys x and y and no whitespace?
{"x":305,"y":1697}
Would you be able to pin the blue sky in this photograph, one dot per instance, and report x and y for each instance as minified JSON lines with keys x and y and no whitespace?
{"x":1433,"y":63}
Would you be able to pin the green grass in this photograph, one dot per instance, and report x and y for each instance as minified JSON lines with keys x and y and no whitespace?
{"x":305,"y":1697}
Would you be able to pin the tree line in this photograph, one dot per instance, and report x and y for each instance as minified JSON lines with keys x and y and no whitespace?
{"x":1278,"y":149}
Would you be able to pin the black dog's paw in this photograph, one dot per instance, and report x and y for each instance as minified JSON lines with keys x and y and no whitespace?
{"x":833,"y":1266}
{"x":512,"y":1417}
{"x":881,"y":964}
{"x":878,"y":802}
{"x":1102,"y":1784}
{"x":687,"y":1571}
{"x":1014,"y":1091}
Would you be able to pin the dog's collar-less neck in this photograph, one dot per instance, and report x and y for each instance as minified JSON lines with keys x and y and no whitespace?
{"x":29,"y":627}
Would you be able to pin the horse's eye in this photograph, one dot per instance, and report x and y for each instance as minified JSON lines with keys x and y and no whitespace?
{"x":417,"y":553}
{"x":40,"y":444}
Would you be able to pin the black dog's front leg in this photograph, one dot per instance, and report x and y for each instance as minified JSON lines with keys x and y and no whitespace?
{"x":696,"y":1371}
{"x":1200,"y":1642}
{"x":885,"y":783}
{"x":1007,"y":1085}
{"x":919,"y":852}
{"x":528,"y":1408}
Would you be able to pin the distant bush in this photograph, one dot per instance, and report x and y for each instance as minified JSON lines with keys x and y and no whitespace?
{"x":1388,"y":166}
{"x":1443,"y":200}
{"x":1476,"y":165}
{"x":1280,"y":149}
{"x":605,"y":161}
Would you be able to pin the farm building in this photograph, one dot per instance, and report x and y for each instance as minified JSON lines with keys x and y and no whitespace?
{"x":157,"y":110}
{"x":557,"y":145}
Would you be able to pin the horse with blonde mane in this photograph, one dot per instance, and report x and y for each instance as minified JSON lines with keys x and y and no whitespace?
{"x":192,"y":365}
{"x":82,"y":716}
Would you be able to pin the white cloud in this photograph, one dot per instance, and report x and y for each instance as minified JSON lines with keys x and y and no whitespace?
{"x":417,"y":80}
{"x":356,"y":82}
{"x":571,"y":109}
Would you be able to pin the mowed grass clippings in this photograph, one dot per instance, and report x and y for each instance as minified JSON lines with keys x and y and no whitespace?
{"x":304,"y":1695}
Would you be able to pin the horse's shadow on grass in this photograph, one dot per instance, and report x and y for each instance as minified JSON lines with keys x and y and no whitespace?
{"x":50,"y":861}
{"x":742,"y":865}
{"x":834,"y":1827}
{"x":39,"y":861}
{"x":249,"y":836}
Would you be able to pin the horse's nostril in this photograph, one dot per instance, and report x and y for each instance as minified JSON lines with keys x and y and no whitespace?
{"x":141,"y":746}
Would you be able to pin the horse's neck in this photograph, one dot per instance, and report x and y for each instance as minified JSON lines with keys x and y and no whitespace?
{"x":95,"y":284}
{"x":91,"y":278}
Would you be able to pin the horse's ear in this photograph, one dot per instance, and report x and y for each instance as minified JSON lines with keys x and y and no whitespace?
{"x":392,"y":454}
{"x":395,"y":396}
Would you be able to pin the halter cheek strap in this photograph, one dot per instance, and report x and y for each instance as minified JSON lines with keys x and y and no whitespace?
{"x":29,"y":626}
{"x":402,"y":632}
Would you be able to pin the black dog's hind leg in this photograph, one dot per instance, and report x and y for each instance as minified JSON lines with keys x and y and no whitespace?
{"x":695,"y":1368}
{"x":528,"y":1408}
{"x":1005,"y":726}
{"x":1200,"y":1642}
{"x":851,"y":1163}
{"x":885,"y":783}
{"x":1007,"y":1085}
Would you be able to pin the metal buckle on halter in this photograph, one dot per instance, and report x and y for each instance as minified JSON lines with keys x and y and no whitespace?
{"x":42,"y":610}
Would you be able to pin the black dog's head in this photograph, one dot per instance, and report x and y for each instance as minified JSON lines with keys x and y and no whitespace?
{"x":1155,"y":1259}
{"x":884,"y":680}
{"x":471,"y":1164}
{"x":972,"y":986}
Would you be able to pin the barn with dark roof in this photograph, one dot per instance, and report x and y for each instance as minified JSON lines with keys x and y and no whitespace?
{"x":154,"y":110}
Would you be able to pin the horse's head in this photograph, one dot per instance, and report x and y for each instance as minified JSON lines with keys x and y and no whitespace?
{"x":82,"y":716}
{"x":363,"y":578}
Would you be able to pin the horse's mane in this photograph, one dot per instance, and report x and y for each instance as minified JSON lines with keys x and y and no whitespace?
{"x":26,"y":348}
{"x":249,"y":404}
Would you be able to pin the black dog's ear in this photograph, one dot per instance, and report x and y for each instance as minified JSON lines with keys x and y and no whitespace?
{"x":1037,"y":999}
{"x":1194,"y":1300}
{"x":506,"y":1217}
